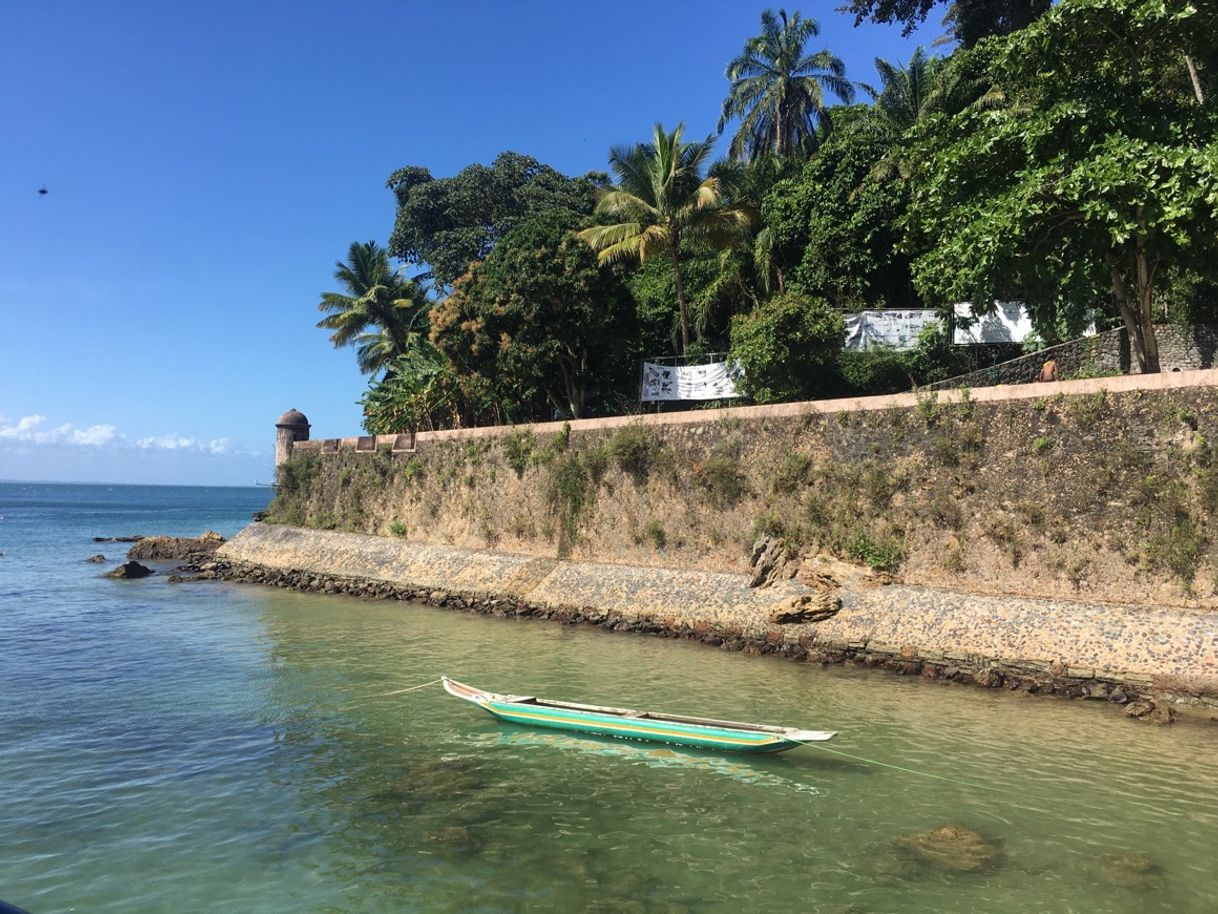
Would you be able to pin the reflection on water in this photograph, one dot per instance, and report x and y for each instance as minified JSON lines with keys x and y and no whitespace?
{"x":222,"y":748}
{"x":652,"y":756}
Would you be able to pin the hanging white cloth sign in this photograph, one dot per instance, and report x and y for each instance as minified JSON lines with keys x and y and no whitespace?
{"x":712,"y":381}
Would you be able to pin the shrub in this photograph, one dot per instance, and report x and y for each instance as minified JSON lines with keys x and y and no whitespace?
{"x":654,"y":531}
{"x":723,"y":480}
{"x":793,"y":472}
{"x":882,"y":553}
{"x":634,"y":451}
{"x":397,"y":528}
{"x":518,"y":449}
{"x":876,"y":370}
{"x":786,"y":347}
{"x":412,"y":469}
{"x":570,"y":492}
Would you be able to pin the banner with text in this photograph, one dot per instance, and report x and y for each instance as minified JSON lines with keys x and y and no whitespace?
{"x":712,"y":381}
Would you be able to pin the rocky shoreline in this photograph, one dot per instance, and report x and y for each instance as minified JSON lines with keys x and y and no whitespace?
{"x":742,"y":623}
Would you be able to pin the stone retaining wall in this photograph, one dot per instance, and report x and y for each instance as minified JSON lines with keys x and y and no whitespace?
{"x":1180,"y":349}
{"x":1124,"y":655}
{"x":1089,"y":489}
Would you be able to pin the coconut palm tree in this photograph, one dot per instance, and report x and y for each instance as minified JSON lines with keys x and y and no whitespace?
{"x":660,"y":198}
{"x":778,"y":90}
{"x":909,"y":93}
{"x":377,"y":309}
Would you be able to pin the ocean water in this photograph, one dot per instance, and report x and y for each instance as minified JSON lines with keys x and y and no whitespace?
{"x":213,"y":747}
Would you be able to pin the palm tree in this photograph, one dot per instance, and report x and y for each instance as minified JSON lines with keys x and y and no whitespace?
{"x":661,"y":197}
{"x":778,"y":91}
{"x":378,"y":309}
{"x":910,"y":93}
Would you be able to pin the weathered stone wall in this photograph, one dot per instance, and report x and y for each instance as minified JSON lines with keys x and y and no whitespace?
{"x":1100,"y":489}
{"x":1103,"y":354}
{"x":1108,"y":353}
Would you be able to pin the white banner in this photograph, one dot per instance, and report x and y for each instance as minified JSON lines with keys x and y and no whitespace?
{"x":1008,"y":323}
{"x":897,"y":329}
{"x":712,"y":381}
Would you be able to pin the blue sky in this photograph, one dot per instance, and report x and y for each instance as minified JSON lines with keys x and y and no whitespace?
{"x":206,"y":164}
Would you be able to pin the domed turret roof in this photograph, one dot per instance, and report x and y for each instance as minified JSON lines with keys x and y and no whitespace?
{"x":293,"y":417}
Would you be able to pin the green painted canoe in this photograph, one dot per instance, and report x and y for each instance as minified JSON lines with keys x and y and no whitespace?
{"x":623,"y":723}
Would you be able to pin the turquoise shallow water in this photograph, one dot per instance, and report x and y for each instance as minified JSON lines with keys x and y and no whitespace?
{"x":210,"y":747}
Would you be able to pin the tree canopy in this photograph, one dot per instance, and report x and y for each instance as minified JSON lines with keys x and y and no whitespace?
{"x":1063,"y":154}
{"x":445,"y":224}
{"x":539,"y":319}
{"x":969,"y":21}
{"x":1100,"y":171}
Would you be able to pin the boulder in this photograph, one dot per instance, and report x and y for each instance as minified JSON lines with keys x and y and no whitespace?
{"x":177,"y":547}
{"x":130,"y":570}
{"x":96,"y":559}
{"x":952,"y":848}
{"x":771,"y":561}
{"x":808,"y":608}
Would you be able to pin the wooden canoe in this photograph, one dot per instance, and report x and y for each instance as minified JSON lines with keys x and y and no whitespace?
{"x":624,"y":723}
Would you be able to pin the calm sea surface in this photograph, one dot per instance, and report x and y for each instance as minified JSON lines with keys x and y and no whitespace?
{"x":208,"y":747}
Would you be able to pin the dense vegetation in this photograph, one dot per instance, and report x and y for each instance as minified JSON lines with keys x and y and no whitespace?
{"x":1064,"y":155}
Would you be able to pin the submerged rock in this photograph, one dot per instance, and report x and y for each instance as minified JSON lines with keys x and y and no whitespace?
{"x":953,"y":848}
{"x":130,"y":570}
{"x":96,"y":559}
{"x":1131,"y":870}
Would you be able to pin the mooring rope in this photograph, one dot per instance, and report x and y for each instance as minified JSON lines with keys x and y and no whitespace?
{"x":387,"y":694}
{"x":924,"y":774}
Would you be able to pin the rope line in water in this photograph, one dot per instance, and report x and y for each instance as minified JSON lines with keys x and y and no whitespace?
{"x":387,"y":694}
{"x":925,"y":774}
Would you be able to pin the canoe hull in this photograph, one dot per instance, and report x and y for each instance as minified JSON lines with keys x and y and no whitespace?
{"x":642,"y":730}
{"x":624,"y":723}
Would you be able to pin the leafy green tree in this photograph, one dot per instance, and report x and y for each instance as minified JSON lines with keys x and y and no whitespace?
{"x":778,"y":88}
{"x":540,"y":318}
{"x":661,"y":199}
{"x":377,"y":310}
{"x":446,"y":224}
{"x":1099,"y":177}
{"x":969,"y":20}
{"x":835,"y":233}
{"x":787,"y":347}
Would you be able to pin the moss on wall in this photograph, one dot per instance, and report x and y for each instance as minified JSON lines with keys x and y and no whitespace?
{"x":1109,"y":495}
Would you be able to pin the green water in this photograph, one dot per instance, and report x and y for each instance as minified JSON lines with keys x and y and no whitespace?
{"x":306,"y":792}
{"x":222,"y":748}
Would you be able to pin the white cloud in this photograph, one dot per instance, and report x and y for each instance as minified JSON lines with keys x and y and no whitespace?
{"x":28,"y":430}
{"x":177,"y":443}
{"x":32,"y":430}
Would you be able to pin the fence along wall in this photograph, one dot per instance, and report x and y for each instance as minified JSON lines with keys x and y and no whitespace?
{"x":1107,"y":353}
{"x":1090,"y":489}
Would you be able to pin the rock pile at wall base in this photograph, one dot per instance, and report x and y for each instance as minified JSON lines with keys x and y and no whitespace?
{"x":1020,"y":644}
